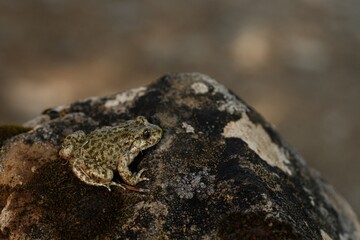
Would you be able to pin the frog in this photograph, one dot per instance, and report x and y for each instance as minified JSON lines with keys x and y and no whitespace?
{"x":94,"y":157}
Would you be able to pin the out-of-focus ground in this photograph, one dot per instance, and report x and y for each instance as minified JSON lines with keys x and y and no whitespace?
{"x":297,"y":62}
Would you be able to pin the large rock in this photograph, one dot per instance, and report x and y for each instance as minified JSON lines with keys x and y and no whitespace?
{"x":219,"y":172}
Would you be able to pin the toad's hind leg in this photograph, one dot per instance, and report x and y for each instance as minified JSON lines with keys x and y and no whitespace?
{"x":94,"y":174}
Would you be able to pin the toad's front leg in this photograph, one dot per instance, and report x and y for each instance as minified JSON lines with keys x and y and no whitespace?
{"x":129,"y":177}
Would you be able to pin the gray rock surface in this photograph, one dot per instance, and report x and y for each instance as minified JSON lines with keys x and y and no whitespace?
{"x":219,"y":172}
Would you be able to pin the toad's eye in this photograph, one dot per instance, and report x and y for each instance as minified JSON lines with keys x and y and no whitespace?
{"x":146,"y":134}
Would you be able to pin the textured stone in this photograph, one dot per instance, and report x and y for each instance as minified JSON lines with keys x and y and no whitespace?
{"x":220,"y":172}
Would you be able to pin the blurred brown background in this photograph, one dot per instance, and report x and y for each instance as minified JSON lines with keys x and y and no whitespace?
{"x":297,"y":62}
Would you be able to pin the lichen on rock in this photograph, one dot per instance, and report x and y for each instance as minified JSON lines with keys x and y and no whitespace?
{"x":219,"y":172}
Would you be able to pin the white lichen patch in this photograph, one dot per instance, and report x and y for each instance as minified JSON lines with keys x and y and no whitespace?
{"x":187,"y":186}
{"x":199,"y":88}
{"x":188,"y":128}
{"x":231,"y":107}
{"x":267,"y":206}
{"x":124,"y":97}
{"x":230,"y":103}
{"x":324,"y":235}
{"x":258,"y":140}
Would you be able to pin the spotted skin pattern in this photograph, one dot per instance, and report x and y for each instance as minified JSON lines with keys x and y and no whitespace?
{"x":94,"y":157}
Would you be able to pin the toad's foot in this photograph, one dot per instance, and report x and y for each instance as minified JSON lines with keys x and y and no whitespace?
{"x":131,"y":178}
{"x":136,"y":177}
